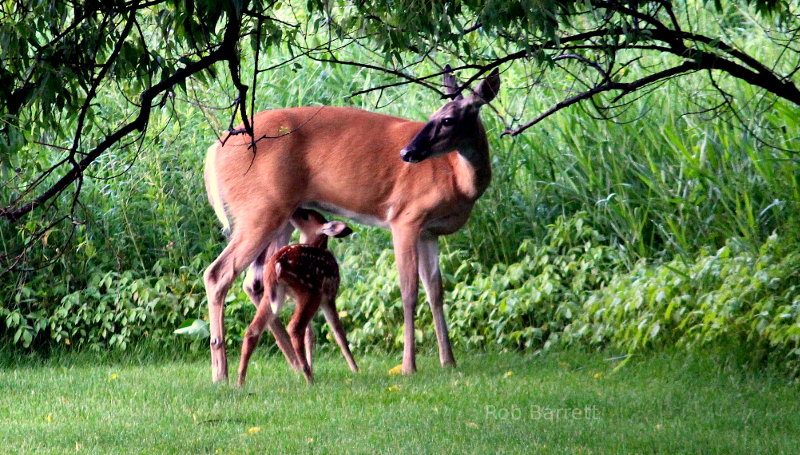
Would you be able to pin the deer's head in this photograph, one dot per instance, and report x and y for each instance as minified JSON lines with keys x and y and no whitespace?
{"x":456,"y":124}
{"x":315,"y":229}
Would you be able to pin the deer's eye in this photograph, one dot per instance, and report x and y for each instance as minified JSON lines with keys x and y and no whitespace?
{"x":448,"y":121}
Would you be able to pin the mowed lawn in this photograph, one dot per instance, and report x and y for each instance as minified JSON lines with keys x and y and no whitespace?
{"x":561,"y":403}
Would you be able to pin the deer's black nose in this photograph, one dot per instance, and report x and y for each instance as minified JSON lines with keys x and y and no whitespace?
{"x":409,"y":156}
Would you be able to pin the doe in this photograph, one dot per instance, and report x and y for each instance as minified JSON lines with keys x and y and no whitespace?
{"x":421,"y":180}
{"x":310,"y":273}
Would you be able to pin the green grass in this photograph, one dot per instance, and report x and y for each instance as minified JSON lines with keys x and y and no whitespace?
{"x":557,"y":403}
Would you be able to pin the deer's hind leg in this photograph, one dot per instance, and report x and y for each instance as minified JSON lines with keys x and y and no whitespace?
{"x":254,"y":279}
{"x":247,"y":241}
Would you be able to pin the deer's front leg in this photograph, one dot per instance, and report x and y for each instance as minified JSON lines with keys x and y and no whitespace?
{"x":405,"y":239}
{"x":428,"y":250}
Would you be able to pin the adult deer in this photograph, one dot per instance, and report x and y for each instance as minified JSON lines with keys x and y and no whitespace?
{"x":420,"y":180}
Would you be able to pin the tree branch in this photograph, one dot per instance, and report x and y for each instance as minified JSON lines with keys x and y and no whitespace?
{"x":138,"y":124}
{"x":609,"y":85}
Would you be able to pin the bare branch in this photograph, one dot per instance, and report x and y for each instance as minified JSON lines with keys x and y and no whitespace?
{"x":624,"y":87}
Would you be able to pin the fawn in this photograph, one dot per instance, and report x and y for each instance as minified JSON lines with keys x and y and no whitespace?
{"x":310,"y":273}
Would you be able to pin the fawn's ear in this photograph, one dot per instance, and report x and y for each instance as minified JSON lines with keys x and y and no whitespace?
{"x":336,"y":229}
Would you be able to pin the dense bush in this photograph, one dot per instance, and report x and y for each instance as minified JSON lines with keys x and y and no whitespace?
{"x":748,"y":300}
{"x":112,"y":309}
{"x":527,"y":303}
{"x":573,"y":288}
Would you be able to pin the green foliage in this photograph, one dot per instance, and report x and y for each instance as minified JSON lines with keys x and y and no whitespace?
{"x":520,"y":305}
{"x":527,"y":303}
{"x":112,"y":309}
{"x":747,"y":300}
{"x":654,"y":231}
{"x":197,"y":328}
{"x":369,"y":302}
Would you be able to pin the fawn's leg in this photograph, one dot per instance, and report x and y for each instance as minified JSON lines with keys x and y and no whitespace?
{"x":264,"y":316}
{"x":310,"y":340}
{"x":332,"y":317}
{"x":254,"y":288}
{"x":306,"y":306}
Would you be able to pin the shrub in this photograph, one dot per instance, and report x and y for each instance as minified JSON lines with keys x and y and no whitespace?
{"x":526,"y":304}
{"x":519,"y":305}
{"x":748,"y":300}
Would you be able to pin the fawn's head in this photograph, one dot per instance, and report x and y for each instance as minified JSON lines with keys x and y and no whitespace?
{"x":455,"y":125}
{"x":315,"y":229}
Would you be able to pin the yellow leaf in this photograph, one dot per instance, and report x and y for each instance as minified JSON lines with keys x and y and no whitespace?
{"x":343,"y":314}
{"x":472,"y":424}
{"x":508,"y":373}
{"x":253,"y":430}
{"x":393,"y":388}
{"x":396,"y":370}
{"x":113,"y":377}
{"x":48,"y":417}
{"x":597,"y":376}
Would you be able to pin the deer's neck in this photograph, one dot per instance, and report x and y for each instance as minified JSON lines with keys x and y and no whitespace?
{"x":473,"y":167}
{"x":318,"y":240}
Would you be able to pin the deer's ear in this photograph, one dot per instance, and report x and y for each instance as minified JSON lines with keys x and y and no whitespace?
{"x":451,"y":84}
{"x":488,"y":89}
{"x":336,"y":229}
